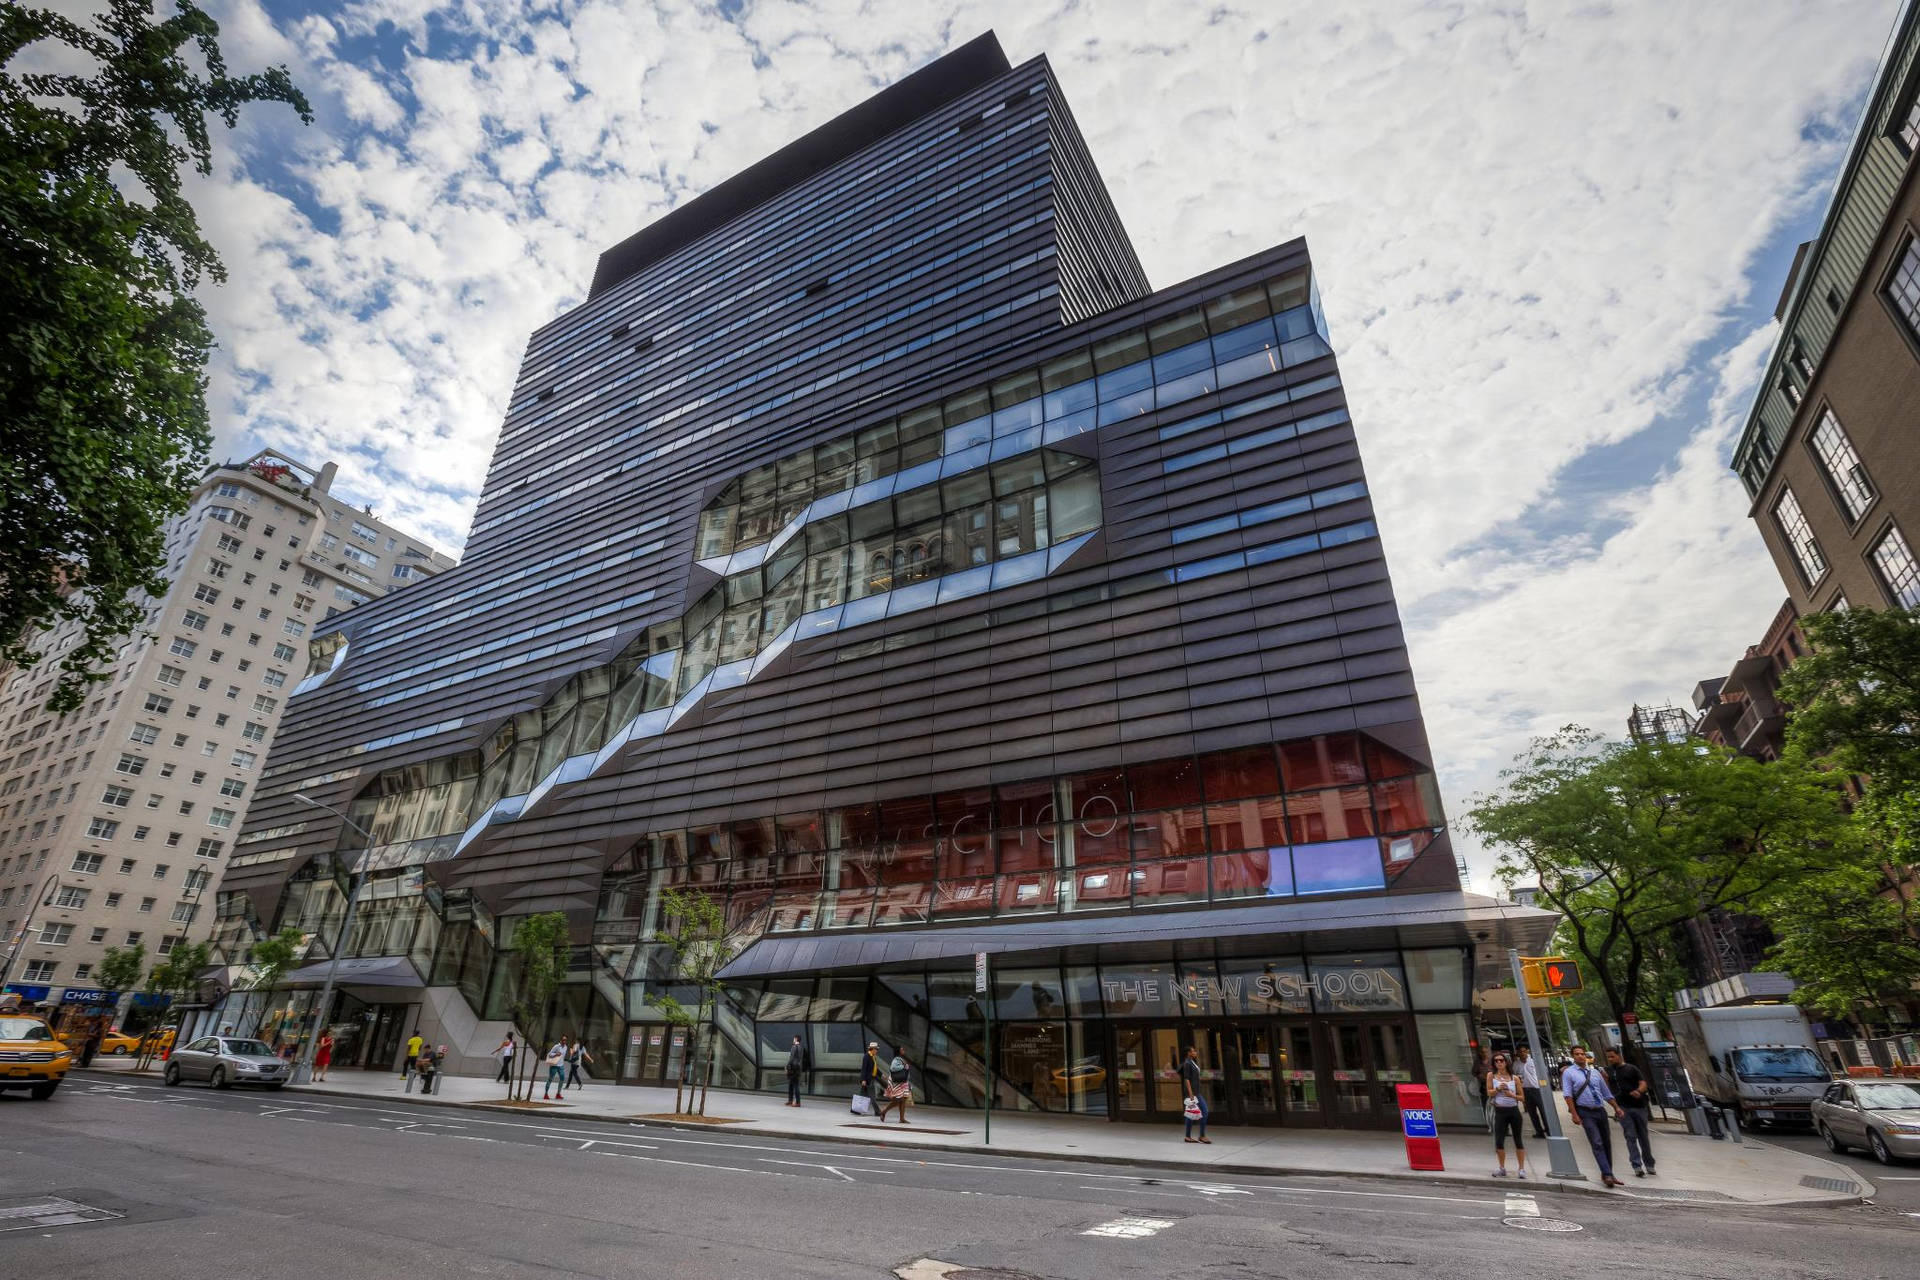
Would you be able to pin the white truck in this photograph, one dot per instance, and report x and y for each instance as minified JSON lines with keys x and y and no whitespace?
{"x":1759,"y":1060}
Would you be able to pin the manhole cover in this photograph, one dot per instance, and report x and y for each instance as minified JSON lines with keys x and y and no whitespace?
{"x":1542,"y":1224}
{"x":31,"y":1213}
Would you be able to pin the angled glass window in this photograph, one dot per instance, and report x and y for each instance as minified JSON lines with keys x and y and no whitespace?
{"x":1792,"y":523}
{"x":1851,"y":487}
{"x":1898,"y":572}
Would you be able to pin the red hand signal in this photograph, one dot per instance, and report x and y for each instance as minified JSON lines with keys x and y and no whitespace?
{"x":1554,"y":975}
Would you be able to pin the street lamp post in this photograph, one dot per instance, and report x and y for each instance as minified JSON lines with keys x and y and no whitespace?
{"x":20,"y":941}
{"x":303,"y":1069}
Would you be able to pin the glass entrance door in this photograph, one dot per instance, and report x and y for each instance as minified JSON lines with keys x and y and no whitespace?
{"x":1252,"y":1098}
{"x":1147,"y":1071}
{"x":1365,"y":1060}
{"x":1302,"y":1097}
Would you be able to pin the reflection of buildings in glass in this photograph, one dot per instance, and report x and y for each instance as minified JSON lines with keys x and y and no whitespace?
{"x":874,"y":552}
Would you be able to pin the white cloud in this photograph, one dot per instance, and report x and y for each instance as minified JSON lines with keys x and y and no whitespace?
{"x":1528,"y":220}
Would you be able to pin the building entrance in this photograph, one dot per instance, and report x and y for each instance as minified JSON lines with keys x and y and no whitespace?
{"x":1334,"y":1072}
{"x":654,"y":1054}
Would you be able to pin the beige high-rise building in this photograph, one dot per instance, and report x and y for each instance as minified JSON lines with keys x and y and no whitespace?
{"x":116,"y":819}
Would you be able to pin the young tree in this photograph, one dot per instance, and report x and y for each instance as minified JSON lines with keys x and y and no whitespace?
{"x":1629,"y":840}
{"x":266,"y":966}
{"x":541,"y":944}
{"x":696,"y":931}
{"x":119,"y":971}
{"x":102,"y":343}
{"x":176,"y":976}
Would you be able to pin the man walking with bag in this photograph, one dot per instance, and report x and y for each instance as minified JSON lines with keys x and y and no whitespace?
{"x":1588,"y":1100}
{"x":872,"y":1081}
{"x":1630,"y":1090}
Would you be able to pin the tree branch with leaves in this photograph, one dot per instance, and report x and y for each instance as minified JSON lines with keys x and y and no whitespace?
{"x":696,"y":932}
{"x":103,"y":346}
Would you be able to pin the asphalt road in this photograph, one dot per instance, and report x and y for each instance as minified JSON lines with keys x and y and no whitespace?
{"x":131,"y":1178}
{"x":1898,"y":1185}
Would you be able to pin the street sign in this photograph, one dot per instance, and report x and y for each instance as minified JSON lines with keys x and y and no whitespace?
{"x":979,"y":973}
{"x":1550,"y":975}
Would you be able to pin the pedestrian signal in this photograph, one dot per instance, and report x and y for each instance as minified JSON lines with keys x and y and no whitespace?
{"x":1550,"y":975}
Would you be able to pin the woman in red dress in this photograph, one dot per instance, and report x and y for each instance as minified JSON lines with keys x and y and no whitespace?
{"x":322,"y":1055}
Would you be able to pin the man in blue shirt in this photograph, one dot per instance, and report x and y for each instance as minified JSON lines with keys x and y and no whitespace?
{"x":1588,"y":1101}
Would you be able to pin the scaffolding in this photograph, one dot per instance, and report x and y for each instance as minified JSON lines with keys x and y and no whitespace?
{"x":1666,"y":723}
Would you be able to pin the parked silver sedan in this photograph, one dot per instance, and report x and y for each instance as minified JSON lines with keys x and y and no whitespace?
{"x":224,"y":1061}
{"x":1881,"y":1115}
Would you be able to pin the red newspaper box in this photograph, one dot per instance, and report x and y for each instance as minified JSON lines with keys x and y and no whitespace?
{"x":1417,"y":1124}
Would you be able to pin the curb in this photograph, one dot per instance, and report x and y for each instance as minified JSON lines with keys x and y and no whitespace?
{"x":1198,"y":1172}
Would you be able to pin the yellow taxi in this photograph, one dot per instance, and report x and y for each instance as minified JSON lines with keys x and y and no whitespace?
{"x":30,"y":1057}
{"x":119,"y":1042}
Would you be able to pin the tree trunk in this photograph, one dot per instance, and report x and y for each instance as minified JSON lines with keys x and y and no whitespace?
{"x":679,"y":1081}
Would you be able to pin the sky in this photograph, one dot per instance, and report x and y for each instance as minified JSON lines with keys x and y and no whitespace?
{"x":1549,"y":238}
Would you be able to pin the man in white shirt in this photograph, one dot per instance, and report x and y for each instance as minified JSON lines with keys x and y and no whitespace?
{"x":1530,"y":1087}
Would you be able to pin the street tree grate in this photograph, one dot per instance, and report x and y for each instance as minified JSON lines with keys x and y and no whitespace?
{"x":1830,"y":1184}
{"x":30,"y":1213}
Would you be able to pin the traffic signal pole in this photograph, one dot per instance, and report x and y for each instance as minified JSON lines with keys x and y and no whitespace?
{"x":1560,"y":1161}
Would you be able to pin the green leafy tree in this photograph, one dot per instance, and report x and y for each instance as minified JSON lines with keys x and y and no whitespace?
{"x":1849,"y":942}
{"x":541,"y":944}
{"x":104,"y":350}
{"x":119,"y":971}
{"x":266,"y":966}
{"x":174,"y":977}
{"x":1855,"y":697}
{"x":696,"y":932}
{"x":1630,"y":840}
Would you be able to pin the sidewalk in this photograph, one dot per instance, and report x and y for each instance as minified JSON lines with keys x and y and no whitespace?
{"x":1691,"y":1169}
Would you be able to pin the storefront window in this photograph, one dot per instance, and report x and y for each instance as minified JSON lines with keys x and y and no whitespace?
{"x":1448,"y":1058}
{"x":1027,"y":993}
{"x":1437,"y":979}
{"x":1368,"y":983}
{"x":1032,"y":1063}
{"x":1264,"y":987}
{"x":1086,"y":1076}
{"x":1144,"y":991}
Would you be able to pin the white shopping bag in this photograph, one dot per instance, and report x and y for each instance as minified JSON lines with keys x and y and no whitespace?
{"x":862,"y":1105}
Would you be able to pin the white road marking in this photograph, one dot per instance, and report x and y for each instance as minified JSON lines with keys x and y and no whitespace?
{"x":1130,"y":1228}
{"x":1212,"y":1189}
{"x":1522,"y":1206}
{"x":805,"y":1164}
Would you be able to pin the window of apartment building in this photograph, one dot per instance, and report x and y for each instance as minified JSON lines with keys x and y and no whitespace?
{"x":405,"y":571}
{"x":218,"y":568}
{"x":284,"y":652}
{"x":220,"y":818}
{"x":184,"y":912}
{"x":273,"y":679}
{"x":130,"y":764}
{"x":126,"y":866}
{"x":365,"y":534}
{"x":81,"y":972}
{"x":265,"y":614}
{"x":41,"y":970}
{"x":263,"y":704}
{"x":1903,"y":290}
{"x":247,"y":579}
{"x":358,"y":556}
{"x":99,"y":934}
{"x":232,"y":787}
{"x":328,"y":541}
{"x":243,"y":759}
{"x":1851,"y":487}
{"x":160,"y":870}
{"x":71,"y":897}
{"x":179,"y":740}
{"x":1893,"y":558}
{"x":118,"y":797}
{"x":153,"y":799}
{"x":141,"y":833}
{"x":194,"y":620}
{"x":144,"y":734}
{"x":146,"y":904}
{"x":292,"y":628}
{"x":206,"y":682}
{"x":186,"y":808}
{"x":1788,"y":390}
{"x":173,"y":839}
{"x":206,"y":594}
{"x":253,"y":731}
{"x":55,"y":934}
{"x":229,"y":544}
{"x":168,"y":942}
{"x":1907,"y":130}
{"x":209,"y":847}
{"x":133,"y":937}
{"x":171,"y":676}
{"x":303,"y":603}
{"x":87,"y":864}
{"x":1792,"y":523}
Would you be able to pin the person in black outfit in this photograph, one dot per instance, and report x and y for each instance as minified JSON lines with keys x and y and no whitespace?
{"x":873,"y":1075}
{"x":1190,"y":1081}
{"x":795,"y":1061}
{"x":1630,"y":1089}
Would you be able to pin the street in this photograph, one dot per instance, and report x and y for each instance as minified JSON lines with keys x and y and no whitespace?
{"x":1898,"y":1186}
{"x":285,"y":1185}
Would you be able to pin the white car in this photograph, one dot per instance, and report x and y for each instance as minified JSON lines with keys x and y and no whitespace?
{"x":1881,"y":1115}
{"x":224,"y":1061}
